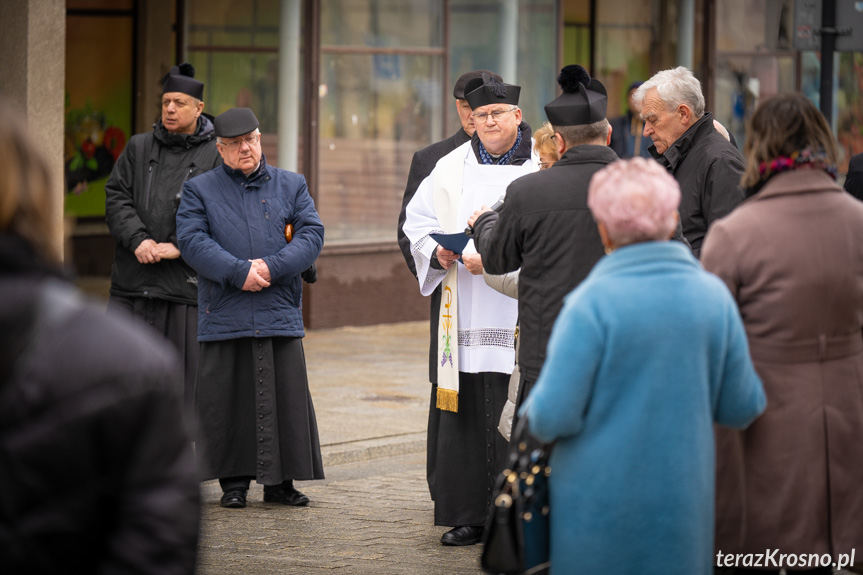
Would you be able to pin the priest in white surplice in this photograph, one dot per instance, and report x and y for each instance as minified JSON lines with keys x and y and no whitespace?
{"x":476,"y":323}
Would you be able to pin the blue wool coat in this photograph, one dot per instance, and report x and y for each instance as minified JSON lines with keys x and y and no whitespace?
{"x":647,"y":353}
{"x":224,"y":221}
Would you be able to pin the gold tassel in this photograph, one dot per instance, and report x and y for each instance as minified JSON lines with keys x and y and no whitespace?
{"x":447,"y":400}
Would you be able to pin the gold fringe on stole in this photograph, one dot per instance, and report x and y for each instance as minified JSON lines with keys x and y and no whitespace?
{"x":447,"y":399}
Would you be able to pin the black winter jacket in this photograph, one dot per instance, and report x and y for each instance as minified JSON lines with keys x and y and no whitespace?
{"x":546,"y":229}
{"x":96,"y":467}
{"x":141,"y":199}
{"x":708,"y":168}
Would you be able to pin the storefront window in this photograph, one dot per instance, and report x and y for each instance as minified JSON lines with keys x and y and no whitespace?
{"x":515,"y":38}
{"x":375,"y":112}
{"x":236,"y":55}
{"x":380,"y":100}
{"x":630,"y":42}
{"x":98,"y":104}
{"x":847,"y":121}
{"x":755,"y":58}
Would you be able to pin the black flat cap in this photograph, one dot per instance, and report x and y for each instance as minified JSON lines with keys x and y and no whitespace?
{"x":487,"y":90}
{"x":235,"y":122}
{"x":584,"y":99}
{"x":181,"y":79}
{"x":458,"y":90}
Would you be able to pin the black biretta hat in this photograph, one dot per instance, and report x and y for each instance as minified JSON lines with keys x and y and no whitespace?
{"x":487,"y":90}
{"x":182,"y":79}
{"x":235,"y":122}
{"x":584,"y":99}
{"x":458,"y":89}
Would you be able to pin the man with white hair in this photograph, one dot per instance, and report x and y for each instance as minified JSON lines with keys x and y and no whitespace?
{"x":706,"y":165}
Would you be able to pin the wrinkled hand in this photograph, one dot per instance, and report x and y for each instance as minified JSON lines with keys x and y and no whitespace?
{"x":477,"y":214}
{"x":473,"y":263}
{"x":446,"y":257}
{"x":254,"y":281}
{"x":263,"y":269}
{"x":147,"y":252}
{"x":168,"y":251}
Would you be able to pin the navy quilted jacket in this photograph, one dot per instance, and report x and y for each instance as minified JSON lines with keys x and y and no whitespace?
{"x":224,"y":221}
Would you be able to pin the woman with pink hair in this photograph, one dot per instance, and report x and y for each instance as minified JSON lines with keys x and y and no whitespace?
{"x":646,"y":355}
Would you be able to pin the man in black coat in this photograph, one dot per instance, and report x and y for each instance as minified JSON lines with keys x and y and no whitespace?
{"x":545,"y":227}
{"x":149,"y":279}
{"x":422,"y":164}
{"x":706,"y":165}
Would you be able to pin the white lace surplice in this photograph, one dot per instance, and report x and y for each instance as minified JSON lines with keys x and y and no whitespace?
{"x":486,"y":318}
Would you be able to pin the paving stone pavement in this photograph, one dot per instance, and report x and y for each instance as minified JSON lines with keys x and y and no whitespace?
{"x":372,"y":514}
{"x":367,"y":518}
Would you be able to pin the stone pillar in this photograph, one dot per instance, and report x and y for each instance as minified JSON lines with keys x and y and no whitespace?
{"x":156,"y":48}
{"x":33,"y":78}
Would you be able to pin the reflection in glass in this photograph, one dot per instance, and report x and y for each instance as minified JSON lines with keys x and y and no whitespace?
{"x":747,"y":25}
{"x":476,"y":43}
{"x":386,"y":23}
{"x":625,"y":38}
{"x":743,"y":81}
{"x":375,"y":112}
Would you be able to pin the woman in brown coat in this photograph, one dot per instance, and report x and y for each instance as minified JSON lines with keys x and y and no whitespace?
{"x":790,"y":487}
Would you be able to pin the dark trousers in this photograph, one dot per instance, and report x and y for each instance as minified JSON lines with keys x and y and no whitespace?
{"x":229,"y":483}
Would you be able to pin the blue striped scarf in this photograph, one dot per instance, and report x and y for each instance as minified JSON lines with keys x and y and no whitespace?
{"x":486,"y":158}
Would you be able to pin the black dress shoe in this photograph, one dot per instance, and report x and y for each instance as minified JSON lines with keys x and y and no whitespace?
{"x":234,"y":499}
{"x":286,"y":494}
{"x":462,"y":536}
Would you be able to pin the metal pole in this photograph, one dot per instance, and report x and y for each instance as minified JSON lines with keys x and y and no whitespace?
{"x":509,"y":41}
{"x":289,"y":85}
{"x":828,"y":47}
{"x":686,"y":35}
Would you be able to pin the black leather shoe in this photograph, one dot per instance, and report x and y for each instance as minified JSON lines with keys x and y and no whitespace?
{"x":462,"y":536}
{"x":285,"y":494}
{"x":234,"y":499}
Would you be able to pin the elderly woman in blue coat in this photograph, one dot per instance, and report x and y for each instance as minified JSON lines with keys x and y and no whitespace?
{"x":646,"y":355}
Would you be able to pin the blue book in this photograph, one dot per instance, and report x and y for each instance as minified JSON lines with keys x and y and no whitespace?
{"x":453,"y":242}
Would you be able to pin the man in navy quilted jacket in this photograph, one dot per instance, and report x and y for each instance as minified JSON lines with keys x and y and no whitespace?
{"x":250,"y":230}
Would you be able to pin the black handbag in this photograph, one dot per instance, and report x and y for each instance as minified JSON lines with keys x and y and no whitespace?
{"x":516,"y":538}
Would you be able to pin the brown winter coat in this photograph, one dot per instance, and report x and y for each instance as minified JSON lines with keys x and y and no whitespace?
{"x":792,"y":256}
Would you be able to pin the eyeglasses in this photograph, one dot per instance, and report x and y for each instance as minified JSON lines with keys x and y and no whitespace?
{"x":496,"y":115}
{"x":234,"y":144}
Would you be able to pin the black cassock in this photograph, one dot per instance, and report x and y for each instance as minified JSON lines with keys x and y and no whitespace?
{"x":470,"y":451}
{"x":255,"y":412}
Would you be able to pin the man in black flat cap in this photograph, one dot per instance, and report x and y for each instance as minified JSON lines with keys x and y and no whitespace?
{"x":545,"y":227}
{"x":250,"y":230}
{"x":149,"y":278}
{"x":421,"y":166}
{"x":473,"y":350}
